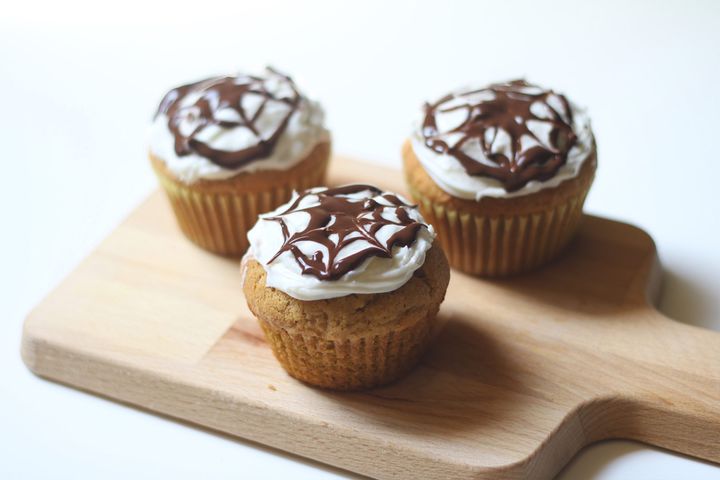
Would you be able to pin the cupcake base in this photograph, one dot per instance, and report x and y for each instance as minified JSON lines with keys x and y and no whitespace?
{"x":352,"y":363}
{"x":497,"y":237}
{"x":217,"y":214}
{"x":353,"y":342}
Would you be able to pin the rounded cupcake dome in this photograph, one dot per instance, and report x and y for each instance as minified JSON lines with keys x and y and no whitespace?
{"x":502,"y":140}
{"x":221,"y":126}
{"x":331,"y":242}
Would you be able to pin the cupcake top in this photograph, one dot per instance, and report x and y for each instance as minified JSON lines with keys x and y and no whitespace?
{"x":504,"y":140}
{"x":216,"y":128}
{"x":331,"y":242}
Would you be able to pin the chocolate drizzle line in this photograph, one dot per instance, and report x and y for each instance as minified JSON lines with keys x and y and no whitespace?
{"x":508,"y":110}
{"x":337,"y":221}
{"x":222,"y":93}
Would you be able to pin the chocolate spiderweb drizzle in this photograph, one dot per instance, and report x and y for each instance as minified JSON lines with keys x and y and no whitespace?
{"x":508,"y":110}
{"x":337,"y":221}
{"x":221,"y":93}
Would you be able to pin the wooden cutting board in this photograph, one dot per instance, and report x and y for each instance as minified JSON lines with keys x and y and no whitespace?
{"x":525,"y":372}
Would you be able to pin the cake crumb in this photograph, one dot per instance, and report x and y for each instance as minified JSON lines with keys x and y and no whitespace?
{"x":272,"y":387}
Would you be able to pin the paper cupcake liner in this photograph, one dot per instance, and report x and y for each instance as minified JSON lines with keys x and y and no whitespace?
{"x":495,"y":246}
{"x":219,"y":222}
{"x":353,"y":363}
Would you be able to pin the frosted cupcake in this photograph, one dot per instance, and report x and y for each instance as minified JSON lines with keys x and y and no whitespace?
{"x":501,"y":172}
{"x":346,"y":283}
{"x":228,"y":148}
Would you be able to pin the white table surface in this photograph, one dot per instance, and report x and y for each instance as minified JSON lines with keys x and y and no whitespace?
{"x":79,"y":82}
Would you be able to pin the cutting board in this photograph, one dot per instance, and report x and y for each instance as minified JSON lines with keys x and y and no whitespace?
{"x":525,"y":372}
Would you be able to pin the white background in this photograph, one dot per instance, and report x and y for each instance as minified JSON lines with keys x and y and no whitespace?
{"x":79,"y":83}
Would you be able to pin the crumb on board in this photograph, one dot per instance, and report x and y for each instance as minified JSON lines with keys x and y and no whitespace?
{"x":272,"y":387}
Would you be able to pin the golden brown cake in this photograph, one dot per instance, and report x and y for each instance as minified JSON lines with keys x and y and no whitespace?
{"x":346,"y":284}
{"x":502,"y":173}
{"x":226,"y":149}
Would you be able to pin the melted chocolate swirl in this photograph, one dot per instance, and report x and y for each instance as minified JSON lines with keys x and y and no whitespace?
{"x":229,"y":103}
{"x":513,"y":132}
{"x":337,"y":220}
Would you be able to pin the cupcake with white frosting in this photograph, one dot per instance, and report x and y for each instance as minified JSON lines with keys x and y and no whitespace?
{"x":229,"y":148}
{"x":501,"y":172}
{"x":346,"y":283}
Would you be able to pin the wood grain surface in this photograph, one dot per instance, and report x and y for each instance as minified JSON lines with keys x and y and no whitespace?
{"x":525,"y":372}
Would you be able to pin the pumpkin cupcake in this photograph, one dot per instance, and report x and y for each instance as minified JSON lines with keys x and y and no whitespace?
{"x":228,"y":148}
{"x":346,"y":283}
{"x":501,"y":172}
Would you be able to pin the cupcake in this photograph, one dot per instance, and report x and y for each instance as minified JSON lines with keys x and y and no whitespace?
{"x":228,"y":148}
{"x":346,"y":283}
{"x":501,"y":172}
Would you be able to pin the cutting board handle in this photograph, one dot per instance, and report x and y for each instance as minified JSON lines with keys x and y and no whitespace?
{"x":675,"y":392}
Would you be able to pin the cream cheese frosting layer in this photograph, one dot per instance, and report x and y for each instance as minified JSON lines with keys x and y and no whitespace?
{"x":475,"y":129}
{"x":217,"y":128}
{"x":327,"y":243}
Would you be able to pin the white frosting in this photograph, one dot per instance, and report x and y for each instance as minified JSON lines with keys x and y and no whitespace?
{"x":374,"y":275}
{"x":305,"y":129}
{"x":449,"y":174}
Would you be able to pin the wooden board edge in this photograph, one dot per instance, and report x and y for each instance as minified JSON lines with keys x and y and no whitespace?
{"x":245,"y":419}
